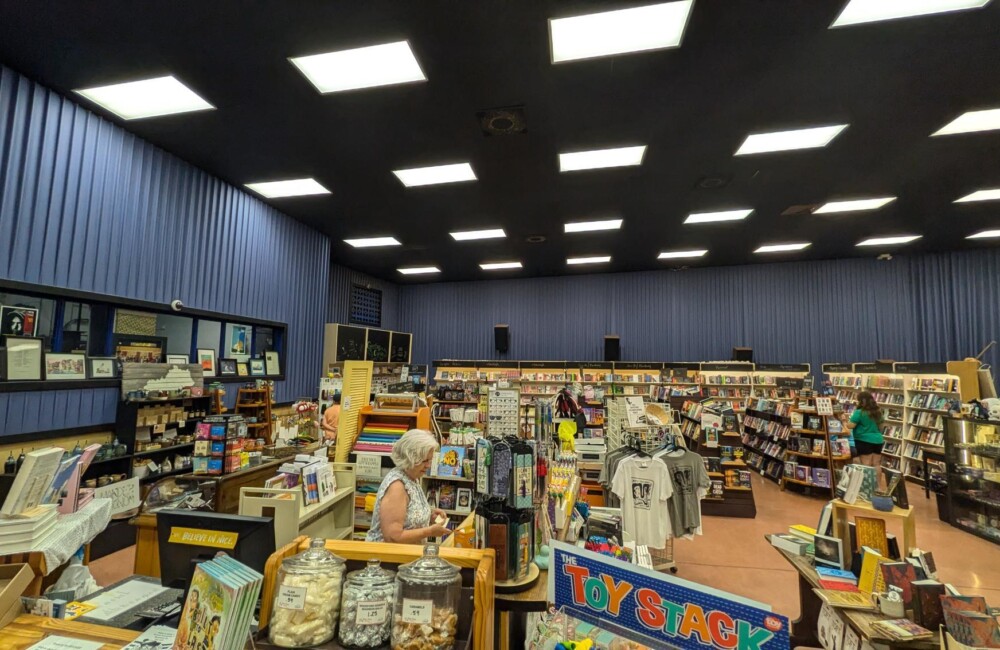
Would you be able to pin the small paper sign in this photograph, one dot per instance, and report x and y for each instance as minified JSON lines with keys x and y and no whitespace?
{"x":371,"y":612}
{"x":417,"y":611}
{"x":124,"y":495}
{"x":369,"y":466}
{"x":290,"y":597}
{"x":711,"y":421}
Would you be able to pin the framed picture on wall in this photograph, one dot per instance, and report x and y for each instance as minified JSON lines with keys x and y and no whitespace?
{"x":22,"y":358}
{"x":206,"y":359}
{"x":239,"y":341}
{"x":227,"y":367}
{"x":18,"y":321}
{"x":139,"y":349}
{"x":242,"y":369}
{"x":103,"y":367}
{"x":65,"y":366}
{"x":257,"y":367}
{"x":399,"y":347}
{"x":271,"y":364}
{"x":351,"y":343}
{"x":178,"y":359}
{"x":377,"y":348}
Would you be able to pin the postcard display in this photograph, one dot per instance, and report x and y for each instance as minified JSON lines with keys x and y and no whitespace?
{"x":505,"y":485}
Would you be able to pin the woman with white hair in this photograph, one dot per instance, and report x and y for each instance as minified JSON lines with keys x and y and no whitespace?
{"x":402,"y":514}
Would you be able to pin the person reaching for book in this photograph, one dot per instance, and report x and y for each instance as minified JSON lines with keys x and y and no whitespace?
{"x":864,"y":426}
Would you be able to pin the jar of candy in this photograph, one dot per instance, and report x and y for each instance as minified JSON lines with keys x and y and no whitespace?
{"x":425,"y":616}
{"x":307,"y":598}
{"x":366,"y":616}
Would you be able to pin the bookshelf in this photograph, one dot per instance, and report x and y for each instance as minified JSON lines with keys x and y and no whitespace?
{"x":815,"y":451}
{"x":636,"y":378}
{"x":728,"y":381}
{"x":928,"y":391}
{"x":781,"y":382}
{"x":766,"y":429}
{"x":845,"y":382}
{"x":680,"y":380}
{"x":595,"y":377}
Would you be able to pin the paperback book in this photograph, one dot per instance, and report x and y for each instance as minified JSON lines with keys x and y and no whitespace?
{"x":219,"y":606}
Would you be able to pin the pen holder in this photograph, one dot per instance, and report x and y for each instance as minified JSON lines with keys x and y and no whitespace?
{"x":882,"y":503}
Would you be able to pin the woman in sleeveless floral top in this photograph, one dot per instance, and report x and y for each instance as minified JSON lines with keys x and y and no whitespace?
{"x":402,"y":514}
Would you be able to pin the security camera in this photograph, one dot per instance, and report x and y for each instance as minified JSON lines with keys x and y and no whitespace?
{"x":176,"y":305}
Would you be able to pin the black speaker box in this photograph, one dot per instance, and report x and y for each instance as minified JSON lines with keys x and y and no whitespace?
{"x":743,"y":354}
{"x":501,"y":337}
{"x":612,"y":348}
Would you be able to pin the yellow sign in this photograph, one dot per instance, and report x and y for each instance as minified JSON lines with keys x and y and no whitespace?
{"x":200,"y":537}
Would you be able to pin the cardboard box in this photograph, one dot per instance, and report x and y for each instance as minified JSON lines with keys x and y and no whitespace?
{"x":14,"y":579}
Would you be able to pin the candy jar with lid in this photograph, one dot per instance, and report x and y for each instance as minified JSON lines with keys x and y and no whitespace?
{"x":425,"y":616}
{"x":366,"y":616}
{"x":307,"y":598}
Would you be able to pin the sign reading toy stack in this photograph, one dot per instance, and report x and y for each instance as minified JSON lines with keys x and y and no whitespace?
{"x":663,"y":609}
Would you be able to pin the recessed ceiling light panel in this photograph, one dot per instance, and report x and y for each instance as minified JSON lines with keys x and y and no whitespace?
{"x":811,"y":138}
{"x":985,"y":234}
{"x":640,"y":29}
{"x":782,"y":248}
{"x":868,"y":11}
{"x":293,"y":187}
{"x":592,"y":226}
{"x":971,"y":122}
{"x":601,"y":259}
{"x":725,"y":215}
{"x":499,"y":266}
{"x":470,"y":235}
{"x":135,"y":100}
{"x":601,"y":158}
{"x":981,"y":195}
{"x":893,"y":240}
{"x":436,"y":175}
{"x":673,"y":255}
{"x":371,"y":242}
{"x":363,"y":67}
{"x":418,"y":270}
{"x":856,"y":205}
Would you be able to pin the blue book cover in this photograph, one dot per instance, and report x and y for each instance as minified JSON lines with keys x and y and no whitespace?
{"x":451,"y":461}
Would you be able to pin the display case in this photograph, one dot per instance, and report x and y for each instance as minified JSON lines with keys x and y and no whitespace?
{"x":972,"y":453}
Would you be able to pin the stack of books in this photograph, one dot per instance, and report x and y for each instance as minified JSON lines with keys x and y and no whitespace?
{"x":379,"y":437}
{"x":23,"y":533}
{"x":220,"y":613}
{"x":901,"y":629}
{"x":837,"y":579}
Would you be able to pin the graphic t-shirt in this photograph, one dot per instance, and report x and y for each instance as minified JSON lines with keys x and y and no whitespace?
{"x":644,"y":487}
{"x":687,"y":472}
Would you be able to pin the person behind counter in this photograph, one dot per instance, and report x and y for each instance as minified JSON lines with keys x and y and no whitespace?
{"x":330,"y":421}
{"x":402,"y":513}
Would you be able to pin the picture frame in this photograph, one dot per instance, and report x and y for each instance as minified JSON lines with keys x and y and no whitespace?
{"x":257,"y":367}
{"x":181,"y":359}
{"x":139,"y":349}
{"x":829,"y":551}
{"x":64,"y":367}
{"x":227,"y":367}
{"x":271,"y":363}
{"x":463,"y":503}
{"x":102,"y":367}
{"x":23,"y":358}
{"x":239,"y":341}
{"x":206,"y":359}
{"x":242,"y":369}
{"x":18,"y":321}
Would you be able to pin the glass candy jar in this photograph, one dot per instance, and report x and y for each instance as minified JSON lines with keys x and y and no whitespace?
{"x":366,"y":619}
{"x":425,"y":616}
{"x":307,"y":598}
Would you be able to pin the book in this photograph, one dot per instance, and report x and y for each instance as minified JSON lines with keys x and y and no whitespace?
{"x":711,"y":438}
{"x":871,"y":533}
{"x":326,"y":481}
{"x":870,"y":571}
{"x":821,"y":477}
{"x":854,"y":481}
{"x":219,"y":604}
{"x":834,"y":425}
{"x":726,"y":454}
{"x":451,"y":460}
{"x":714,"y":464}
{"x":829,"y":551}
{"x":825,"y":525}
{"x":802,"y":473}
{"x":837,"y":575}
{"x":845,"y":599}
{"x":900,"y":576}
{"x":790,"y":466}
{"x":745,"y":478}
{"x":717,"y":489}
{"x":819,"y":447}
{"x":969,"y":621}
{"x":789,"y":543}
{"x":833,"y":585}
{"x":926,"y":559}
{"x":70,"y":501}
{"x":803,"y":531}
{"x":901,"y":629}
{"x":797,"y":420}
{"x":927,"y":610}
{"x":32,"y":481}
{"x":67,"y":467}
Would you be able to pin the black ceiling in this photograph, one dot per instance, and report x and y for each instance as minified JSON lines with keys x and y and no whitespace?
{"x":744,"y":66}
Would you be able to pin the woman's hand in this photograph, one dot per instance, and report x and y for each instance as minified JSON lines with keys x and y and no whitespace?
{"x":438,"y":530}
{"x":438,"y":513}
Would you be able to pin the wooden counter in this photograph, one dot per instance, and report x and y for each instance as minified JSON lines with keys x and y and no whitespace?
{"x":27,"y":630}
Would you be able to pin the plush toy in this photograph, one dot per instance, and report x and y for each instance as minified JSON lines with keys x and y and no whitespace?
{"x":567,"y":436}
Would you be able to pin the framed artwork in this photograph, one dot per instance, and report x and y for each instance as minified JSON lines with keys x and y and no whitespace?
{"x":257,"y":367}
{"x":351,"y":343}
{"x":271,"y":364}
{"x":178,"y":358}
{"x":239,"y":341}
{"x":22,"y":358}
{"x":377,"y":348}
{"x":400,"y":347}
{"x":242,"y":369}
{"x":464,"y":501}
{"x":18,"y":321}
{"x":103,"y":367}
{"x":139,"y":349}
{"x":65,"y":366}
{"x":206,"y":359}
{"x":227,"y":367}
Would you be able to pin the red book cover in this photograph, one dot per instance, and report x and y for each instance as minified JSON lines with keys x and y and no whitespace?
{"x":835,"y":585}
{"x":927,"y":609}
{"x":900,"y":575}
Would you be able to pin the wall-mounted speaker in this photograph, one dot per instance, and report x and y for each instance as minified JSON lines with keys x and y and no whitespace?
{"x":612,"y":348}
{"x":501,"y":337}
{"x":743,"y":354}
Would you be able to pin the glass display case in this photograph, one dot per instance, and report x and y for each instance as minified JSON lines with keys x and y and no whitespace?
{"x":972,"y":451}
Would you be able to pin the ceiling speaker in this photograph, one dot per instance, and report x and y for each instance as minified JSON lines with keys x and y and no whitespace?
{"x":509,"y":120}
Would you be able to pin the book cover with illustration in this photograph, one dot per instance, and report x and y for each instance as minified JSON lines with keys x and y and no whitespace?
{"x":726,"y":454}
{"x":208,"y":607}
{"x":450,"y":463}
{"x":718,"y":490}
{"x":901,"y":576}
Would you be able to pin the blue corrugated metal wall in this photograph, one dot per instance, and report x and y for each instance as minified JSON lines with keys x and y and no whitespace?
{"x":341,"y":279}
{"x":86,"y":205}
{"x":926,"y":308}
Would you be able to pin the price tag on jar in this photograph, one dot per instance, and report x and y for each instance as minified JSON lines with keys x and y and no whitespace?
{"x":417,"y":611}
{"x":290,"y":597}
{"x":372,"y":612}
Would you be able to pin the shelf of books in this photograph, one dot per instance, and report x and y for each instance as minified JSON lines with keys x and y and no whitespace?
{"x":711,"y":428}
{"x":929,"y":391}
{"x":595,"y":378}
{"x":730,"y":381}
{"x":540,"y":380}
{"x":845,"y":382}
{"x":817,"y":446}
{"x":637,"y":378}
{"x":766,"y":429}
{"x":680,"y":380}
{"x":779,"y":381}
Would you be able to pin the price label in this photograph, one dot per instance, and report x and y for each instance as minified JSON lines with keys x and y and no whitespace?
{"x":369,"y":466}
{"x":291,"y":597}
{"x":371,"y":612}
{"x":417,"y":611}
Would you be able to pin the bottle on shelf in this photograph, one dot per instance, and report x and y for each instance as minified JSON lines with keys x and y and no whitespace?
{"x":20,"y":461}
{"x":10,"y":467}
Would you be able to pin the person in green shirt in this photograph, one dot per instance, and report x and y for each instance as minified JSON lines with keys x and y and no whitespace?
{"x":865,"y":426}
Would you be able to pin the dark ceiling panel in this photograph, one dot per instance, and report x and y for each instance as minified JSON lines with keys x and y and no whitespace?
{"x":744,"y":66}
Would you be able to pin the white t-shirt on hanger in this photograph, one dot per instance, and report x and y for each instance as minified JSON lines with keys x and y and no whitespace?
{"x":644,"y":487}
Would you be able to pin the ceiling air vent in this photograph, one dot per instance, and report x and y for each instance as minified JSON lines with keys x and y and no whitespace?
{"x":714,"y":181}
{"x":509,"y":120}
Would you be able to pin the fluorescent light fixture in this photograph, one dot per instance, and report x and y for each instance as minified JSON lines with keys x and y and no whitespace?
{"x":436,"y":175}
{"x":811,"y":138}
{"x":971,"y":122}
{"x":782,"y":248}
{"x":725,"y":215}
{"x":370,"y":242}
{"x":591,"y":226}
{"x":589,"y":260}
{"x":293,"y":187}
{"x":135,"y":100}
{"x":601,"y":158}
{"x":870,"y":11}
{"x":653,"y":27}
{"x":856,"y":205}
{"x":889,"y":241}
{"x":363,"y":67}
{"x":985,"y":234}
{"x":499,"y":266}
{"x":469,"y":235}
{"x":418,"y":270}
{"x":981,"y":195}
{"x":673,"y":255}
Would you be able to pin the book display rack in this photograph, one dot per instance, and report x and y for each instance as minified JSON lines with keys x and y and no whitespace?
{"x":779,"y":381}
{"x":680,"y":380}
{"x":817,"y":447}
{"x":766,"y":429}
{"x":729,"y":381}
{"x":632,"y":378}
{"x":844,"y":381}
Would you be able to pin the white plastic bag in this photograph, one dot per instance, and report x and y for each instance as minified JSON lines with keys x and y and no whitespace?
{"x":76,"y":578}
